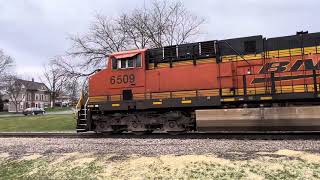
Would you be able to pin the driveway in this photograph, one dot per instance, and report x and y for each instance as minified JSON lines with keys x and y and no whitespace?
{"x":60,"y":112}
{"x":10,"y":115}
{"x":48,"y":113}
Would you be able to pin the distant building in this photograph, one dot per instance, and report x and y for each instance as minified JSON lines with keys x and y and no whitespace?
{"x":63,"y":100}
{"x":33,"y":94}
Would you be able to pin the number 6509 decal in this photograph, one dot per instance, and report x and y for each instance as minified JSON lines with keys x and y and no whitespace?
{"x":122,"y":79}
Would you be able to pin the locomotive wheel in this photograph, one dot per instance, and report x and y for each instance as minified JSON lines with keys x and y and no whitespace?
{"x":134,"y":125}
{"x":173,"y":126}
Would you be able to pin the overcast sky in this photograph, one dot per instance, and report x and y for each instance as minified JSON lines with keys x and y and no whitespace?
{"x":33,"y":31}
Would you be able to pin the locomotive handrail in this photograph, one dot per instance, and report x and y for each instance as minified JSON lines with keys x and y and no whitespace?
{"x":80,"y":102}
{"x":237,"y":53}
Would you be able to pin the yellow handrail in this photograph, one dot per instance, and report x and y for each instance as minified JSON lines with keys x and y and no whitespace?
{"x":80,"y":101}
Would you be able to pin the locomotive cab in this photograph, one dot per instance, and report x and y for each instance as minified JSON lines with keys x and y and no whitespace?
{"x":123,"y":77}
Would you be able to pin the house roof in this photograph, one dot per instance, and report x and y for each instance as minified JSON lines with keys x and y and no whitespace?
{"x":31,"y":85}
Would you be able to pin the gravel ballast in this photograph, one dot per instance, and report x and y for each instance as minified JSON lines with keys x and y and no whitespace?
{"x":152,"y":147}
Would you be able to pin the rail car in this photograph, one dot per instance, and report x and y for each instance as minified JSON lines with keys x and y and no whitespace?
{"x":249,"y":83}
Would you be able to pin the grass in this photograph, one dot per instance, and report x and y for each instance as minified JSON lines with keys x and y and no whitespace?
{"x":283,"y":164}
{"x":57,"y":109}
{"x":38,"y":123}
{"x":38,"y":167}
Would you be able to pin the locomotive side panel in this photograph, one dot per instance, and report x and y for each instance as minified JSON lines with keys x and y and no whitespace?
{"x":203,"y":76}
{"x":226,"y":75}
{"x":98,"y":84}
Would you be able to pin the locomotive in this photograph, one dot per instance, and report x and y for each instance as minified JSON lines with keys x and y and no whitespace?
{"x":248,"y":84}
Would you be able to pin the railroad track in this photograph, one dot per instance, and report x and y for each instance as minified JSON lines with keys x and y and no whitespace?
{"x":44,"y":135}
{"x":216,"y":135}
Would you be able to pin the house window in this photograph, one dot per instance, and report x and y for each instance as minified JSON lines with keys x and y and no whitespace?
{"x":41,"y":97}
{"x":37,"y":97}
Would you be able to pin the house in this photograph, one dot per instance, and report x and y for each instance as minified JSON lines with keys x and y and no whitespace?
{"x":63,"y":100}
{"x":32,"y":94}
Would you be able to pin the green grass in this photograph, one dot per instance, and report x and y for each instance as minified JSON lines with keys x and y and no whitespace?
{"x":42,"y":168}
{"x":57,"y":109}
{"x":38,"y":123}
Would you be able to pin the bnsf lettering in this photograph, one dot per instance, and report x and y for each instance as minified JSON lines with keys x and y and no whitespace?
{"x":122,"y":79}
{"x":274,"y":67}
{"x":278,"y":67}
{"x":283,"y":66}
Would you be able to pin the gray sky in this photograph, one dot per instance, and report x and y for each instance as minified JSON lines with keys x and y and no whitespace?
{"x":33,"y":31}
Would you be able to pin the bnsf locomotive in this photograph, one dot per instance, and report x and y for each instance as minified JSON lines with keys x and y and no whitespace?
{"x":250,"y":83}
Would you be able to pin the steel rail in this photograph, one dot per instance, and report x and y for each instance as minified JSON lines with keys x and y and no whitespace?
{"x":45,"y":135}
{"x":192,"y":135}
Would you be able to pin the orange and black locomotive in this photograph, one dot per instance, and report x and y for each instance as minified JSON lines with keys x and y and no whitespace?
{"x":250,"y":83}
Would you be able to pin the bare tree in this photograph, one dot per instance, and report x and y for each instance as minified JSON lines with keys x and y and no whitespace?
{"x":72,"y":89}
{"x":54,"y":78}
{"x":133,"y":26}
{"x":103,"y":38}
{"x":181,"y":26}
{"x":14,"y":88}
{"x":160,"y":24}
{"x":6,"y":62}
{"x":71,"y":70}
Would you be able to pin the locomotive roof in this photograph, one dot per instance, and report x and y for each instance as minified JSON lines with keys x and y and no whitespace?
{"x":135,"y":51}
{"x":273,"y":43}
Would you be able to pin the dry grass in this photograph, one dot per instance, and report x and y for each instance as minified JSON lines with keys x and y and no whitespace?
{"x":283,"y":164}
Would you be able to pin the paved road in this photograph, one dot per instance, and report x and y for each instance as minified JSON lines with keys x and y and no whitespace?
{"x":10,"y":115}
{"x":60,"y":112}
{"x":48,"y":113}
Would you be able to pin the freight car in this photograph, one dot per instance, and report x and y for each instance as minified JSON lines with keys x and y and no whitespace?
{"x":249,"y":83}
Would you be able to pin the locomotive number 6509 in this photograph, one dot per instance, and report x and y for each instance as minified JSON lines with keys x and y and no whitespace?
{"x":122,"y":79}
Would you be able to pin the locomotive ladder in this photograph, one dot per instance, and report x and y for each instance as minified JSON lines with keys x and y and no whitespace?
{"x":82,"y":123}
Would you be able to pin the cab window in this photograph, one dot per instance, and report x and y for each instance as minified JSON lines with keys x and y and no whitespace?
{"x":127,"y":63}
{"x":130,"y":63}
